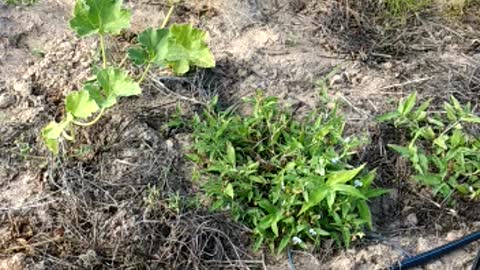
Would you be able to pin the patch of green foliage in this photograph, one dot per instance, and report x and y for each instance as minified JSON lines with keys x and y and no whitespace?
{"x":288,"y":179}
{"x":177,"y":47}
{"x":19,"y":2}
{"x":444,"y":147}
{"x":403,"y":8}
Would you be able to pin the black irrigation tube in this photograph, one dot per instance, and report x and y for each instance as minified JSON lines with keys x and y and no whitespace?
{"x":436,"y":253}
{"x":425,"y":257}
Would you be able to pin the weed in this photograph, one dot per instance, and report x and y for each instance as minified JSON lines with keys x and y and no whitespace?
{"x":402,"y":8}
{"x":444,"y":149}
{"x":287,"y":179}
{"x":177,"y":47}
{"x":38,"y":53}
{"x":153,"y":196}
{"x":20,"y":2}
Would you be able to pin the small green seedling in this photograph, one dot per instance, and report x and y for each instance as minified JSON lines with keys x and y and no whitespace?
{"x":443,"y":151}
{"x":178,"y":48}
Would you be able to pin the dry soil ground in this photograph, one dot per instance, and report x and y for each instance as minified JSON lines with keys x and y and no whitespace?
{"x":85,"y":210}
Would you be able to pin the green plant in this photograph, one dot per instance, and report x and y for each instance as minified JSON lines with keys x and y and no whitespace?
{"x":177,"y":47}
{"x":19,"y":2}
{"x":287,"y":178}
{"x":402,"y":8}
{"x":442,"y":150}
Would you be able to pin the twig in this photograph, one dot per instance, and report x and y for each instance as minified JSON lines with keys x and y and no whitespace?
{"x":406,"y":83}
{"x":170,"y":92}
{"x":41,"y":243}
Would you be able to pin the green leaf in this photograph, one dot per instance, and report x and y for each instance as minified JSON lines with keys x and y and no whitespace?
{"x":435,"y":122}
{"x":114,"y":83}
{"x":258,"y":243}
{"x":341,"y":177}
{"x":420,"y":113}
{"x":429,"y":179}
{"x":187,"y":47}
{"x":284,"y":243}
{"x":349,"y":190}
{"x":231,"y":154}
{"x":52,"y":132}
{"x":426,"y":133}
{"x":471,"y":119}
{"x":456,"y":104}
{"x":373,"y":193}
{"x":451,"y":113}
{"x":80,"y":104}
{"x":388,"y":116}
{"x":441,"y":141}
{"x":364,"y":212}
{"x":407,"y":105}
{"x":229,"y":191}
{"x":330,"y":199}
{"x":315,"y":198}
{"x":274,"y":227}
{"x":153,"y":47}
{"x":403,"y":151}
{"x":267,"y":206}
{"x":347,"y":236}
{"x":99,"y":16}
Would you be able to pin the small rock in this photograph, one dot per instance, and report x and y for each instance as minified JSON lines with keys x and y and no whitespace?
{"x":435,"y":265}
{"x":453,"y":235}
{"x":423,"y":245}
{"x":6,"y":100}
{"x":411,"y":220}
{"x":21,"y":87}
{"x":169,"y":145}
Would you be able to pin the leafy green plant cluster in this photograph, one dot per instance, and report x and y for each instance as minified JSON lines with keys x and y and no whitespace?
{"x":288,"y":179}
{"x":19,"y":2}
{"x":442,"y":150}
{"x":178,"y":47}
{"x":402,"y":8}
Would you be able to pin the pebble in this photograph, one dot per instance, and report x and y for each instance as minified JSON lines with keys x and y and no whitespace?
{"x":411,"y":220}
{"x":6,"y":100}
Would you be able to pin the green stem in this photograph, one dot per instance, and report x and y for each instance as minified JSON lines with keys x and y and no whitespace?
{"x":169,"y":14}
{"x":102,"y":48}
{"x":68,"y":136}
{"x":144,"y":75}
{"x":123,"y":61}
{"x":92,"y":122}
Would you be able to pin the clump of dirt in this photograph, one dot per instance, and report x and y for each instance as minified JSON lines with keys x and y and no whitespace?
{"x":62,"y":70}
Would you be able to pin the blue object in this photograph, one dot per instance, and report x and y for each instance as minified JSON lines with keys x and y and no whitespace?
{"x":436,"y":253}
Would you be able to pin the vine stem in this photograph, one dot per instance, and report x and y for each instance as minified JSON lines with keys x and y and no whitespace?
{"x":169,"y":14}
{"x":67,"y":136}
{"x":145,"y":72}
{"x":92,"y":122}
{"x":102,"y":47}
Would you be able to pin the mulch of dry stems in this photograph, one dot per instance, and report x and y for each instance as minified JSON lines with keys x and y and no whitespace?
{"x":96,"y":217}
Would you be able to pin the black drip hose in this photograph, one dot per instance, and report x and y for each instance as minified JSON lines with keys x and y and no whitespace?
{"x":476,"y":263}
{"x":436,"y":253}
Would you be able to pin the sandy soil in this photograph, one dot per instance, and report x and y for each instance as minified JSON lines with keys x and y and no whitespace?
{"x":288,"y":48}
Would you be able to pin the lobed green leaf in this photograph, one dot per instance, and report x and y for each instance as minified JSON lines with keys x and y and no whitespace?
{"x":80,"y":104}
{"x":187,"y":47}
{"x":99,"y":16}
{"x":153,"y":47}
